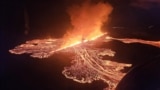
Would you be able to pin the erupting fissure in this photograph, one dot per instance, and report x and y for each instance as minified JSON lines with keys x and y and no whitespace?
{"x":87,"y":64}
{"x":87,"y":20}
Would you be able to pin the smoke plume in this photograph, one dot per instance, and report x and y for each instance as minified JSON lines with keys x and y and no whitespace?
{"x":87,"y":20}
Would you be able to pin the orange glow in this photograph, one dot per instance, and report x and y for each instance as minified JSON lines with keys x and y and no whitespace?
{"x":87,"y":20}
{"x":128,"y":40}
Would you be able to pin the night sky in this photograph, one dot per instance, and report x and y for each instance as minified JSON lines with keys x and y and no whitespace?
{"x":48,"y":18}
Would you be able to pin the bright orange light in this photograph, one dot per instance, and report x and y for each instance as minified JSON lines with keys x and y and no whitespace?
{"x":87,"y":20}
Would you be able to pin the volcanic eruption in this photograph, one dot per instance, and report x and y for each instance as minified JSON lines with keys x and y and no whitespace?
{"x":87,"y":63}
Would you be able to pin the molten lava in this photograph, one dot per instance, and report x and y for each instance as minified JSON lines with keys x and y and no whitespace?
{"x":133,"y":40}
{"x":87,"y":64}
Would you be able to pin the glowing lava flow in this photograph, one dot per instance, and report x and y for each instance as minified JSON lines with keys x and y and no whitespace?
{"x":132,"y":40}
{"x":87,"y":64}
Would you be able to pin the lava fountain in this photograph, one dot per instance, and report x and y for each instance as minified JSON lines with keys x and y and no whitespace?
{"x":87,"y":20}
{"x":87,"y":62}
